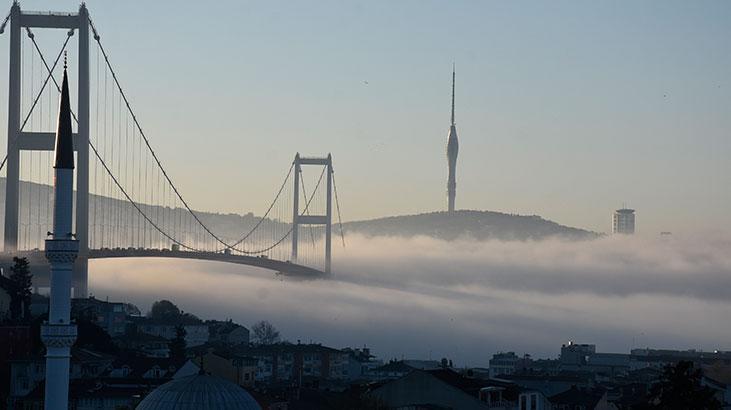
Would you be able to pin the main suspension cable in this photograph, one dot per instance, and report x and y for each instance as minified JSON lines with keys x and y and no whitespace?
{"x":156,"y":158}
{"x":147,"y":142}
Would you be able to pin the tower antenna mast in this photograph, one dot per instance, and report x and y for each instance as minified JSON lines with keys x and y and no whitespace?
{"x":453,"y":79}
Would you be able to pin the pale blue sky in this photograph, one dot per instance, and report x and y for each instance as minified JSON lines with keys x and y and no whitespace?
{"x":565,"y":109}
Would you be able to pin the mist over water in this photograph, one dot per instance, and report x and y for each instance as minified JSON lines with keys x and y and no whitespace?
{"x":465,"y":300}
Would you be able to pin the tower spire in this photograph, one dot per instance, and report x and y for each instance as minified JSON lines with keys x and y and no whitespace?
{"x":64,"y":137}
{"x":452,"y":152}
{"x":453,"y":77}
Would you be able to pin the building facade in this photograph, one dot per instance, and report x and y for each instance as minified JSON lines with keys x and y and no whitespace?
{"x":623,"y":221}
{"x":292,"y":362}
{"x":196,"y":334}
{"x":508,"y":363}
{"x":110,"y":316}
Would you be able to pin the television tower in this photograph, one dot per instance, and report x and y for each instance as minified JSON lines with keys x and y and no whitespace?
{"x":59,"y":334}
{"x":452,"y":151}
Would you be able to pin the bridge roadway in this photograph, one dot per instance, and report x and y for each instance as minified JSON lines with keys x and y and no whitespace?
{"x":284,"y":267}
{"x":41,"y":275}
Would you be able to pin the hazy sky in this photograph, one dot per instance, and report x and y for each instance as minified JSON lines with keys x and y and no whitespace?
{"x":564,"y":109}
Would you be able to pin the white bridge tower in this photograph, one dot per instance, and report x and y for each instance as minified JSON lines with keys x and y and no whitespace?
{"x":19,"y":140}
{"x":300,"y":219}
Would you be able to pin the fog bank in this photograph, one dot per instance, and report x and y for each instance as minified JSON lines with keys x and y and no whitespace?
{"x":423,"y":297}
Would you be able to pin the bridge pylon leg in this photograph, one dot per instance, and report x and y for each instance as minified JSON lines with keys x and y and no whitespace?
{"x":328,"y":215}
{"x":296,"y":205}
{"x":80,"y":281}
{"x":81,"y":276}
{"x":12,"y":181}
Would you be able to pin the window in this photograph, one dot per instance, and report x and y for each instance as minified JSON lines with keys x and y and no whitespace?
{"x":534,"y":402}
{"x":523,"y":403}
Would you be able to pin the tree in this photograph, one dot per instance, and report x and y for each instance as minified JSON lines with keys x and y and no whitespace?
{"x":177,"y":345}
{"x":680,"y":388}
{"x":264,"y":333}
{"x":23,"y":280}
{"x":164,"y":311}
{"x":94,"y":337}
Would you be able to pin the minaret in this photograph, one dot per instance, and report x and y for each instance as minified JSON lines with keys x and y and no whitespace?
{"x":59,"y":334}
{"x":452,"y":151}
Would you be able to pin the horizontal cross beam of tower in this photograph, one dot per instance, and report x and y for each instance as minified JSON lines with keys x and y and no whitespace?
{"x":315,"y":161}
{"x":41,"y":141}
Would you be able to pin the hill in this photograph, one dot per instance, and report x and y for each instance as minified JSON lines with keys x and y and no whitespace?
{"x":480,"y":225}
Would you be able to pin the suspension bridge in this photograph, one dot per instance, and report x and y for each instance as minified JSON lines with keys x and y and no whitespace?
{"x":126,"y":202}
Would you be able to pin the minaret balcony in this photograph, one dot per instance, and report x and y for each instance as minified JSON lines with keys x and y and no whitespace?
{"x":62,"y":250}
{"x":58,"y":335}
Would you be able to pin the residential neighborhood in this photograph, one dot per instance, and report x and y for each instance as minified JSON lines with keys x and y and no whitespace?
{"x":122,"y":355}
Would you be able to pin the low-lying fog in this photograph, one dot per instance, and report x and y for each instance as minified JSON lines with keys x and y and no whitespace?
{"x":421,"y":298}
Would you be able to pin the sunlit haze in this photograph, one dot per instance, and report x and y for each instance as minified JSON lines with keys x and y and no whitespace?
{"x":565,"y":109}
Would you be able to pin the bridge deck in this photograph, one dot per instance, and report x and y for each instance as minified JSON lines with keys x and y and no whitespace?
{"x":284,"y":267}
{"x":36,"y":257}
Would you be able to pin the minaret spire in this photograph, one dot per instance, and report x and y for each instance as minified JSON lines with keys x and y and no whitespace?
{"x":59,"y":333}
{"x":453,"y":78}
{"x":64,"y":137}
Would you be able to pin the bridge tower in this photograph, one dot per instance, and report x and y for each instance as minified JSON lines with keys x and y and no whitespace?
{"x":306,"y":219}
{"x":19,"y":140}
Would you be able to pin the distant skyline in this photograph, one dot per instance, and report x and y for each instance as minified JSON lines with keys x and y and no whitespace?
{"x":565,"y":109}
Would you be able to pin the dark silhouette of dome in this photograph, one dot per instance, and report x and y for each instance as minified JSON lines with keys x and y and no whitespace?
{"x":199,"y":392}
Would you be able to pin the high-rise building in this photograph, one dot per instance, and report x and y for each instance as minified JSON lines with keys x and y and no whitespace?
{"x":452,"y":151}
{"x":623,"y":221}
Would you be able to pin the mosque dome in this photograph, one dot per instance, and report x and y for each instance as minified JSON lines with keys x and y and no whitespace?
{"x":199,"y":392}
